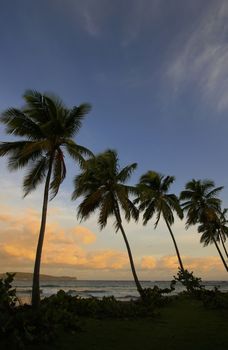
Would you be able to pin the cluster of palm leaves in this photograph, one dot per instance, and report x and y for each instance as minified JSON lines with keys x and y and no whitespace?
{"x":48,"y":128}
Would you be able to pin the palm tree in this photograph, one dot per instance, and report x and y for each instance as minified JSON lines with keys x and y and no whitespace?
{"x":153,"y":198}
{"x":203,"y":207}
{"x":47,"y":128}
{"x":223,"y":229}
{"x":200,"y":201}
{"x":102,"y":185}
{"x":211,"y":234}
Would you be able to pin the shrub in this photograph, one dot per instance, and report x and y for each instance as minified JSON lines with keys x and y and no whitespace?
{"x":187,"y":279}
{"x":8,"y":298}
{"x":155,"y":296}
{"x":214,"y":299}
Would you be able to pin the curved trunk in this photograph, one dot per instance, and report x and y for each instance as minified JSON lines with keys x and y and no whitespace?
{"x":36,"y":273}
{"x":220,"y":253}
{"x":119,"y":220}
{"x":224,"y":247}
{"x":175,"y":245}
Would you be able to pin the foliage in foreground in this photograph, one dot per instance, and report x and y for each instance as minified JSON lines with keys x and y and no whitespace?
{"x":107,"y":307}
{"x":20,"y":325}
{"x":192,"y":284}
{"x":60,"y":313}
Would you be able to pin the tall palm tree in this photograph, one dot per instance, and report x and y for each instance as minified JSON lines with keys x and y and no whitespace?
{"x":47,"y":128}
{"x":211,"y":234}
{"x":102,"y":185}
{"x":223,"y":228}
{"x":154,"y":199}
{"x":201,"y":201}
{"x":203,"y":207}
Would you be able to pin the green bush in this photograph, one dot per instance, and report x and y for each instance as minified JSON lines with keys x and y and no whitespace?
{"x":214,"y":299}
{"x":8,"y":298}
{"x":155,"y":296}
{"x":192,"y":284}
{"x":92,"y":307}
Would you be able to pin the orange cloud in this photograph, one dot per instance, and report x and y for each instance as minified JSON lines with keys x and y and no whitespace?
{"x":69,"y":248}
{"x":84,"y":235}
{"x":201,"y":266}
{"x":62,"y":246}
{"x":148,"y":262}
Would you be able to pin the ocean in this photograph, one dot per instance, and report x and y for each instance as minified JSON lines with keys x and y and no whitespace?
{"x":121,"y":290}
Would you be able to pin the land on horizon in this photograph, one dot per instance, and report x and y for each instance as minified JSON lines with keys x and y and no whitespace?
{"x":28,"y":276}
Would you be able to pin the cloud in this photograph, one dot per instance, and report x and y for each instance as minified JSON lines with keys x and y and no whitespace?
{"x":202,"y":266}
{"x":71,"y":249}
{"x":136,"y":18}
{"x":148,"y":262}
{"x":201,"y":57}
{"x":90,"y":15}
{"x":84,"y":235}
{"x":63,"y":247}
{"x":91,"y":25}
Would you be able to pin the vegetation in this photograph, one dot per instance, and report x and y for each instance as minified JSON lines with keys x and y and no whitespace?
{"x":222,"y":228}
{"x":102,"y":185}
{"x":187,"y":279}
{"x":153,"y":198}
{"x":64,"y":322}
{"x":48,"y":128}
{"x":203,"y":207}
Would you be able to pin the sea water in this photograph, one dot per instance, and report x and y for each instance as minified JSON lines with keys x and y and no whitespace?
{"x":121,"y":290}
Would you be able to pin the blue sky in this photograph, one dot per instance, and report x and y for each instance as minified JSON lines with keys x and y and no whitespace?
{"x":155,"y":73}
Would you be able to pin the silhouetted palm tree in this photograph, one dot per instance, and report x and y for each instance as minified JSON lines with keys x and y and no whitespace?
{"x":200,"y":201}
{"x":211,"y":234}
{"x":203,"y":207}
{"x":102,"y":185}
{"x":223,"y":229}
{"x":154,"y":199}
{"x":47,"y":127}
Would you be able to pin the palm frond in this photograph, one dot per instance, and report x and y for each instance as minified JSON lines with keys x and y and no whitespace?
{"x":125,"y":174}
{"x":19,"y":124}
{"x":75,"y":117}
{"x":59,"y":173}
{"x":106,"y":210}
{"x":10,"y":148}
{"x":35,"y":175}
{"x":36,"y":107}
{"x":77,"y":152}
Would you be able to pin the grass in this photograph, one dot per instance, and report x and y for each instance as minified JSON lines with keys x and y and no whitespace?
{"x":183,"y":324}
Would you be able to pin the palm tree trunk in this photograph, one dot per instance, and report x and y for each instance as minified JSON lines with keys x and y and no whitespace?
{"x":175,"y":245}
{"x":224,"y":247}
{"x":36,"y":274}
{"x":119,"y":220}
{"x":220,"y":253}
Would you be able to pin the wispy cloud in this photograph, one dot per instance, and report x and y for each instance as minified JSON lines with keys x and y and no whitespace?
{"x":202,"y":56}
{"x":139,"y":14}
{"x":90,"y":15}
{"x":91,"y":25}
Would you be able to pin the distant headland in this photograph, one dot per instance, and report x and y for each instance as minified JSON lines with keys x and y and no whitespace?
{"x":27,"y":276}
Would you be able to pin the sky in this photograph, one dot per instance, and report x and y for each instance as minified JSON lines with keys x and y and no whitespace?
{"x":156,"y":74}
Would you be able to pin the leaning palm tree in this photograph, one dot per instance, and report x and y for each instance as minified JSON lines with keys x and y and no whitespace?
{"x":211,"y":234}
{"x":47,"y":128}
{"x":102,"y":185}
{"x":201,"y":202}
{"x":203,"y":207}
{"x":223,"y":228}
{"x":154,"y":199}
